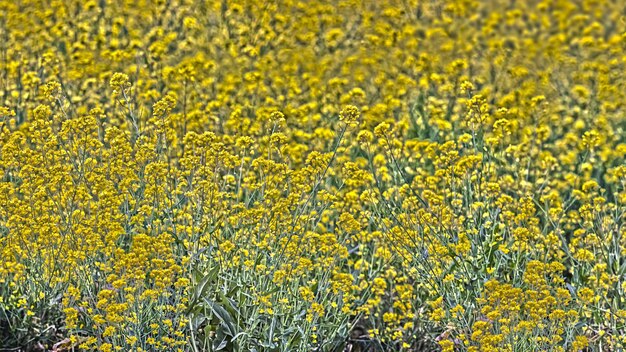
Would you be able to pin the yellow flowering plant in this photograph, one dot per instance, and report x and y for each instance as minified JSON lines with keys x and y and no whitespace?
{"x":336,"y":175}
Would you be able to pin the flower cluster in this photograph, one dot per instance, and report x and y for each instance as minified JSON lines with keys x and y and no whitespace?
{"x":280,"y":176}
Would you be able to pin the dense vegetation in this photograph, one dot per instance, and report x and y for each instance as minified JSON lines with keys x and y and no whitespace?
{"x":399,"y":175}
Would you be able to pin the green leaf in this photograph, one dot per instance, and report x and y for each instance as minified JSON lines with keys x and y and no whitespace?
{"x":203,"y":286}
{"x":230,"y":305}
{"x":220,"y":341}
{"x":223,"y":316}
{"x":196,"y":322}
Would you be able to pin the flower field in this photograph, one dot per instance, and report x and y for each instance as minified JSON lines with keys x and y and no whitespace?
{"x":332,"y":176}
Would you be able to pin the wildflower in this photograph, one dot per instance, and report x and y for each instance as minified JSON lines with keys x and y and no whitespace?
{"x":119,"y":82}
{"x":350,"y":115}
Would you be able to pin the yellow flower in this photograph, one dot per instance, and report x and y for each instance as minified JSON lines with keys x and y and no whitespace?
{"x":350,"y":115}
{"x":119,"y":82}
